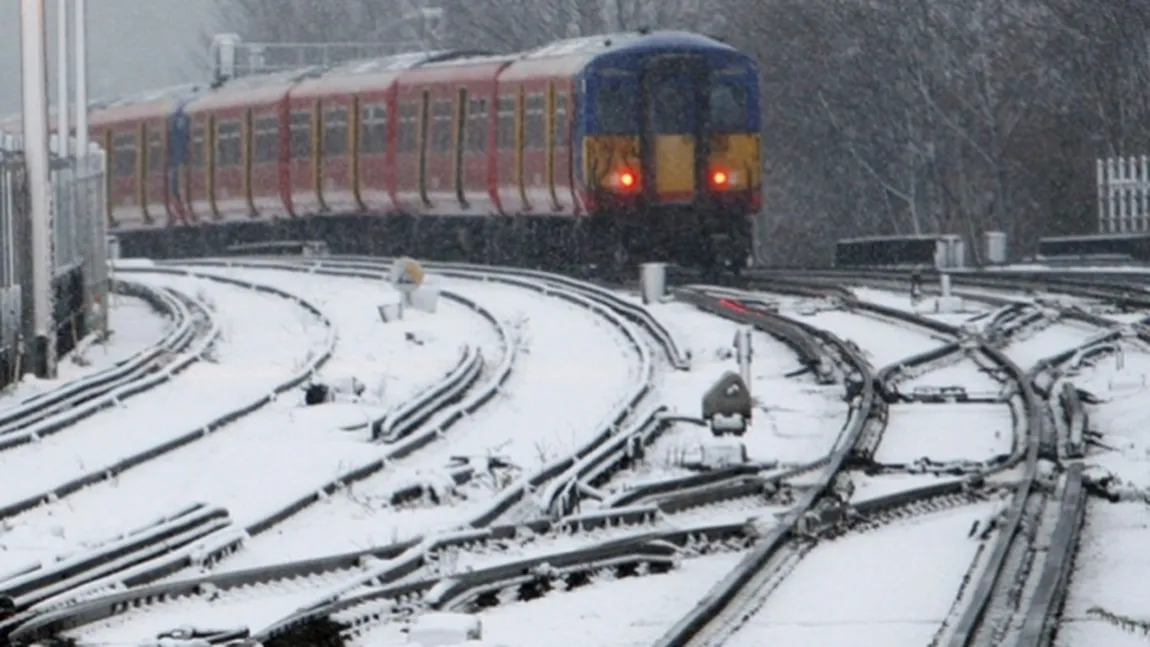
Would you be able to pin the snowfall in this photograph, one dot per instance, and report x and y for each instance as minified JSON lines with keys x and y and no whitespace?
{"x":570,"y":369}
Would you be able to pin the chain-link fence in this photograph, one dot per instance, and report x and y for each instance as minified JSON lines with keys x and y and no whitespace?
{"x":80,"y":280}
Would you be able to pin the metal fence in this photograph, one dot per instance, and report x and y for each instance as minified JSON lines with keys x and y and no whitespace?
{"x":80,"y":281}
{"x":1124,"y":195}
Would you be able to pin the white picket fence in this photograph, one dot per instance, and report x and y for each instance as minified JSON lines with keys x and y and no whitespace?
{"x":1124,"y":195}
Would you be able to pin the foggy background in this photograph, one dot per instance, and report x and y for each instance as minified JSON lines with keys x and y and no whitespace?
{"x":879,"y":117}
{"x":134,"y":45}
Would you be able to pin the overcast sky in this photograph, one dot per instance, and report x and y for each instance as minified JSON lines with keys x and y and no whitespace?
{"x":134,"y":45}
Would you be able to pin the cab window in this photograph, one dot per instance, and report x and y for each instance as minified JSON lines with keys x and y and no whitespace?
{"x":615,"y":106}
{"x":728,"y":108}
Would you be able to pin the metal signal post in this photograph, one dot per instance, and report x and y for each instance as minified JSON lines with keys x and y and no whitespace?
{"x":34,"y":77}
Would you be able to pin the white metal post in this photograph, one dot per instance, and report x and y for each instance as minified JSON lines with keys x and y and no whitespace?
{"x":63,"y":127}
{"x":34,"y":59}
{"x":81,"y":70}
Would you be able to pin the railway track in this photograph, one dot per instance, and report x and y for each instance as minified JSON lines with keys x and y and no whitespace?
{"x":507,"y":501}
{"x":363,"y":602}
{"x":45,"y":414}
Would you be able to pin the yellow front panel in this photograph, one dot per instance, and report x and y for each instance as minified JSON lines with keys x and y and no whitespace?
{"x":738,"y":157}
{"x":605,"y":157}
{"x":675,"y":166}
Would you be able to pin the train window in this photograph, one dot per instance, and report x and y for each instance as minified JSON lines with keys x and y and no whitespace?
{"x":300,"y":140}
{"x":535,"y":122}
{"x":477,"y":120}
{"x":229,"y":146}
{"x":124,"y":155}
{"x":507,"y":123}
{"x":561,"y":132}
{"x":408,"y":138}
{"x":373,"y":129}
{"x":728,"y":108}
{"x":267,"y":140}
{"x":196,"y":158}
{"x":155,"y":152}
{"x":335,"y":129}
{"x":670,"y":109}
{"x":615,"y":108}
{"x":442,"y":116}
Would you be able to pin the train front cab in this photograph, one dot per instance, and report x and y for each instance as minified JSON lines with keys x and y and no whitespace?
{"x":671,"y":149}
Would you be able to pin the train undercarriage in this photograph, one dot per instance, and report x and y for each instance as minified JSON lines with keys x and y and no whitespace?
{"x":600,"y":247}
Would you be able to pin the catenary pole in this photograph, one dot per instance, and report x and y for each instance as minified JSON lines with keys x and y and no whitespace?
{"x":34,"y":78}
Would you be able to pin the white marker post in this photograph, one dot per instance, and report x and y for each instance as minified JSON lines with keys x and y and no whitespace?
{"x":743,"y":353}
{"x":34,"y":59}
{"x":653,"y":282}
{"x":944,"y":285}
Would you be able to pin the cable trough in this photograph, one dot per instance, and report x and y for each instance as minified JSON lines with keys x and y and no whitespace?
{"x":53,"y":411}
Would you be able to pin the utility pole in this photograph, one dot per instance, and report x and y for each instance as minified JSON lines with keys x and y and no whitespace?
{"x":63,"y":126}
{"x":81,"y":78}
{"x":34,"y":78}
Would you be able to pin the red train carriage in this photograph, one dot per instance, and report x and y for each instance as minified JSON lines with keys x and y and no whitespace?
{"x":536,"y":98}
{"x":443,"y":136}
{"x":237,"y":144}
{"x":340,"y":125}
{"x":135,"y":134}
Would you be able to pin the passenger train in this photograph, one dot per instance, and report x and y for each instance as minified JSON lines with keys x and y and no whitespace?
{"x":596,"y":151}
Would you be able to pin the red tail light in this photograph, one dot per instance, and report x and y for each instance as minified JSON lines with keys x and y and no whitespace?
{"x":719,"y":178}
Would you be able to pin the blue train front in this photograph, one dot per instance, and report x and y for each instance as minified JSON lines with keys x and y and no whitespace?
{"x":671,"y":152}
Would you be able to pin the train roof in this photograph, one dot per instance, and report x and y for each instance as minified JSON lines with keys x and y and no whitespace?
{"x":153,"y":104}
{"x":253,"y":90}
{"x":375,"y":73}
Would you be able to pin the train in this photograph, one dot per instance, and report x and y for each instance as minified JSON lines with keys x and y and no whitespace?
{"x":600,"y":151}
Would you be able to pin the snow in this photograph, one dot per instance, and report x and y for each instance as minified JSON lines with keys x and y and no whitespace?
{"x":1112,"y":565}
{"x":590,"y":615}
{"x":874,"y":487}
{"x":882,"y":342}
{"x":965,"y":373}
{"x":135,"y":326}
{"x":946,"y":432}
{"x":888,"y":587}
{"x":254,"y":607}
{"x":928,"y":307}
{"x":565,"y":349}
{"x":1050,"y":341}
{"x":393,"y":360}
{"x":1110,"y":572}
{"x":251,"y":360}
{"x":795,"y":419}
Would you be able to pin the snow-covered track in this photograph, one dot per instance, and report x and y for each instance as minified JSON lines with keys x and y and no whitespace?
{"x":338,"y":568}
{"x":200,"y":431}
{"x":1028,"y":567}
{"x":456,"y":391}
{"x":769,"y":557}
{"x":748,"y":586}
{"x":53,"y":411}
{"x":379,"y":267}
{"x":616,"y":423}
{"x":22,"y":590}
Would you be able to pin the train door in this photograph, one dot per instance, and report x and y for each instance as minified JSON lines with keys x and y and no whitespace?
{"x":672,"y":133}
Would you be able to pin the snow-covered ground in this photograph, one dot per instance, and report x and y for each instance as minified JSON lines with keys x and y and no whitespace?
{"x":966,"y":373}
{"x":1112,"y":564}
{"x":135,"y":325}
{"x":889,"y":587}
{"x":393,"y":361}
{"x":882,"y":342}
{"x":945,"y":432}
{"x":593,"y":614}
{"x":249,"y":361}
{"x":564,"y":350}
{"x":930,"y":307}
{"x":796,"y":420}
{"x":1050,"y":341}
